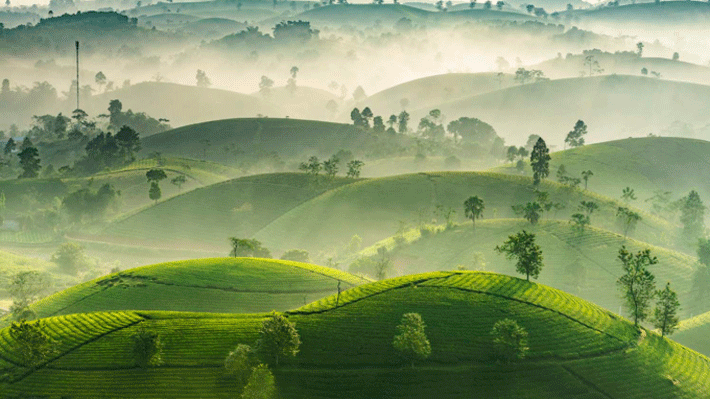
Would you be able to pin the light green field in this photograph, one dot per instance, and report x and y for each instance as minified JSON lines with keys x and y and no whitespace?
{"x":221,"y":285}
{"x":374,"y":208}
{"x":645,"y":164}
{"x":577,"y":349}
{"x":585,"y":265}
{"x":208,"y":216}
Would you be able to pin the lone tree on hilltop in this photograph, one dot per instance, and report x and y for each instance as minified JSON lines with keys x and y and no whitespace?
{"x":665,"y":316}
{"x":575,"y":138}
{"x":637,"y":284}
{"x":411,"y":339}
{"x":522,"y":247}
{"x":473,"y":209}
{"x":540,"y":161}
{"x":277,"y":338}
{"x":510,"y":340}
{"x":248,"y":248}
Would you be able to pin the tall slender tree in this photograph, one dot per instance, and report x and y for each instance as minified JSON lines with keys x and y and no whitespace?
{"x":473,"y":209}
{"x":540,"y":161}
{"x":637,"y":283}
{"x":665,"y":317}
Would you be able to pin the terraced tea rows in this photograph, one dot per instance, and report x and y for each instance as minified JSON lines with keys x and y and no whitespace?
{"x":577,"y":349}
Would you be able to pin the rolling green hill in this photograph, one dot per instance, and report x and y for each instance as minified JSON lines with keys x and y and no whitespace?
{"x":585,"y":265}
{"x":206,"y":217}
{"x":220,"y":285}
{"x":188,"y":104}
{"x":613,"y":106}
{"x":340,"y":14}
{"x":693,"y":333}
{"x":646,"y":164}
{"x":429,"y":92}
{"x":301,"y":102}
{"x":577,"y":349}
{"x":650,"y":15}
{"x":376,"y":208}
{"x":255,"y":137}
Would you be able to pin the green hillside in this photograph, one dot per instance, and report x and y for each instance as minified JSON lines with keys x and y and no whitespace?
{"x":188,"y":104}
{"x":585,"y":265}
{"x":255,"y":138}
{"x":206,"y":217}
{"x":577,"y":349}
{"x":613,"y":106}
{"x":340,"y":14}
{"x":301,"y":102}
{"x":665,"y":13}
{"x":429,"y":92}
{"x":376,"y":208}
{"x":646,"y":164}
{"x":220,"y":285}
{"x":693,"y":333}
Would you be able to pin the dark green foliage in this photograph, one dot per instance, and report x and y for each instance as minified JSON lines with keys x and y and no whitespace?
{"x":128,"y":143}
{"x":248,"y":248}
{"x":155,"y":175}
{"x":540,"y":161}
{"x":277,"y":338}
{"x":154,"y":192}
{"x":532,"y":211}
{"x":330,"y":167}
{"x":179,"y":180}
{"x":138,"y":121}
{"x":30,"y":163}
{"x":34,"y":346}
{"x":585,"y":176}
{"x":261,"y":384}
{"x":528,"y":254}
{"x":313,"y":166}
{"x":411,"y":340}
{"x":628,"y":194}
{"x":575,"y":138}
{"x":637,"y":284}
{"x":692,"y":215}
{"x":665,"y":317}
{"x":147,"y":348}
{"x":298,"y":255}
{"x":354,"y":168}
{"x":703,"y":251}
{"x":580,"y":221}
{"x":240,"y":361}
{"x":85,"y":204}
{"x":9,"y":146}
{"x":510,"y":340}
{"x":402,"y":122}
{"x":473,"y":209}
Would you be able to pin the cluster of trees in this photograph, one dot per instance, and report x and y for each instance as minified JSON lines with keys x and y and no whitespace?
{"x":248,"y":247}
{"x":249,"y":365}
{"x":331,"y":166}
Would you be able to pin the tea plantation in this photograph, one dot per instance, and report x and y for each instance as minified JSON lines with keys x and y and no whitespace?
{"x":222,"y":285}
{"x":577,"y":349}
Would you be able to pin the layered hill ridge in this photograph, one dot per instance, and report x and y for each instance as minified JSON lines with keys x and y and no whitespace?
{"x":220,"y":285}
{"x":577,"y":349}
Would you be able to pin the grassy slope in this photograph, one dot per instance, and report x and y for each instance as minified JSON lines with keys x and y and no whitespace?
{"x":221,"y":285}
{"x":645,"y":164}
{"x":665,"y":13}
{"x":577,"y":349}
{"x":585,"y":265}
{"x":286,"y":137}
{"x":188,"y":104}
{"x":206,"y":217}
{"x":363,"y":14}
{"x":613,"y":106}
{"x":428,"y":92}
{"x":374,"y":208}
{"x":302,"y":103}
{"x":693,"y":333}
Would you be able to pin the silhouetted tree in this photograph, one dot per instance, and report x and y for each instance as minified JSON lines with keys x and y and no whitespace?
{"x":29,"y":162}
{"x":540,"y":161}
{"x":575,"y":138}
{"x":628,"y":219}
{"x":354,"y":167}
{"x":403,"y":120}
{"x":202,"y":79}
{"x":473,"y":209}
{"x":585,"y":176}
{"x":692,"y":215}
{"x":628,"y":195}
